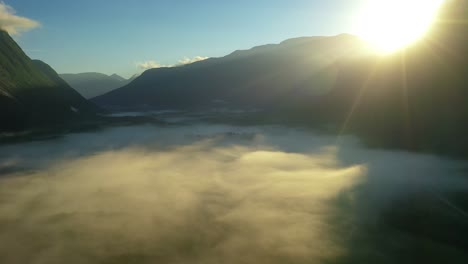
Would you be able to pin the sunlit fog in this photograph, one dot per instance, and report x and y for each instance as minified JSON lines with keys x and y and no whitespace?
{"x":234,"y":132}
{"x":203,"y":194}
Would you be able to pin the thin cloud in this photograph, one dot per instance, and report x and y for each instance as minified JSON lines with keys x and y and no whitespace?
{"x":12,"y":23}
{"x":186,"y":60}
{"x":149,"y":65}
{"x":152,"y":64}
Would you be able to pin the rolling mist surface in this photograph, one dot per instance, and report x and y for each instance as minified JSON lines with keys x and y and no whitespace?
{"x":206,"y":193}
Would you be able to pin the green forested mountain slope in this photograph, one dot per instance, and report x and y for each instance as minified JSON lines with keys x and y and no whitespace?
{"x":32,"y":93}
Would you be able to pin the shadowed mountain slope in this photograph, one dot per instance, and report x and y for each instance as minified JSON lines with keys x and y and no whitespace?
{"x":261,"y":77}
{"x":32,"y":93}
{"x":415,"y":99}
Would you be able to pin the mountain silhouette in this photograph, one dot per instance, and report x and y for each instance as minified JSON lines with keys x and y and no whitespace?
{"x":92,"y":84}
{"x":416,"y":98}
{"x":32,"y":93}
{"x":260,"y":77}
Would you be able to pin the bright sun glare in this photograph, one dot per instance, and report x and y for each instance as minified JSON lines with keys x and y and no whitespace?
{"x":392,"y":24}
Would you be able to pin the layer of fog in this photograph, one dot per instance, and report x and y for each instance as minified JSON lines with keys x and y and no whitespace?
{"x":200,"y":194}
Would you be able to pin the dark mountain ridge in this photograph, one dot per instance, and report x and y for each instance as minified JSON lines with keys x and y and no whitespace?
{"x":415,"y":99}
{"x":258,"y":77}
{"x":32,"y":93}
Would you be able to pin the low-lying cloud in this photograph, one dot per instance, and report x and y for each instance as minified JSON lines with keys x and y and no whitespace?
{"x":197,"y":203}
{"x":185,"y":61}
{"x":151,"y":64}
{"x":197,"y":194}
{"x":12,"y":23}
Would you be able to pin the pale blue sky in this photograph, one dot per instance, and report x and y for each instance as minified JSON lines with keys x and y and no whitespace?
{"x":112,"y":36}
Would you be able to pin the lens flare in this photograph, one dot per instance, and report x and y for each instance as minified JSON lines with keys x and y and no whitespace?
{"x":389,"y":25}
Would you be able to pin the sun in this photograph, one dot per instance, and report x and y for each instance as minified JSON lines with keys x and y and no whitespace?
{"x":389,"y":25}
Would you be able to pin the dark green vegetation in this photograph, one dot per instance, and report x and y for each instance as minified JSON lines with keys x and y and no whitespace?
{"x":32,"y":93}
{"x":415,"y":99}
{"x":92,"y":84}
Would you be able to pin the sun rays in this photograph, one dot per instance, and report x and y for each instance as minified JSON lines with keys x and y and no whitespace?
{"x":391,"y":25}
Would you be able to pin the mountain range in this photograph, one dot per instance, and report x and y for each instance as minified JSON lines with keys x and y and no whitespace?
{"x":260,"y":77}
{"x":32,"y":93}
{"x":415,"y":99}
{"x":92,"y":84}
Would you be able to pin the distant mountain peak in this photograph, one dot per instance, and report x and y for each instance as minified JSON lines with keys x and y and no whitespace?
{"x":118,"y":77}
{"x":92,"y":84}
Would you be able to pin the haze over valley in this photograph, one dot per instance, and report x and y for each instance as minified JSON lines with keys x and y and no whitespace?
{"x":333,"y":148}
{"x":204,"y":193}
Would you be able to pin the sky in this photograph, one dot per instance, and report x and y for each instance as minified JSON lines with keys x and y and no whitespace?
{"x":124,"y":37}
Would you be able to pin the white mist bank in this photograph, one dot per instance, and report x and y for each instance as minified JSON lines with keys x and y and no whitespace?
{"x":198,"y":194}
